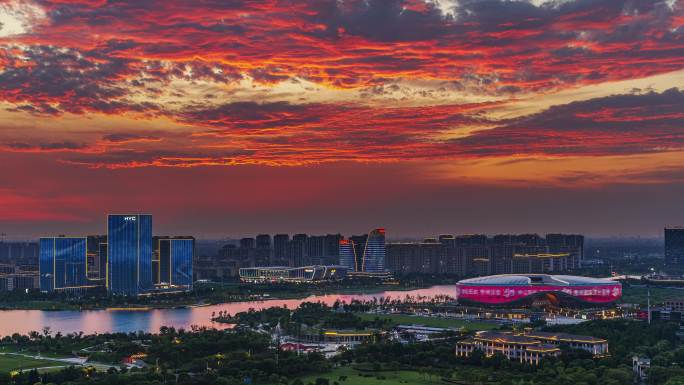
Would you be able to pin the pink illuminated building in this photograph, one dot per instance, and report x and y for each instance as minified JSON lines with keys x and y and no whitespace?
{"x":512,"y":289}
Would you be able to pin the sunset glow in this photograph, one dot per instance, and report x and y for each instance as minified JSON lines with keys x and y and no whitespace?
{"x":422,"y":116}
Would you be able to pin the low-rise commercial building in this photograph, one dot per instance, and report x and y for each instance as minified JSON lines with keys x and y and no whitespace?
{"x":292,"y":274}
{"x":341,"y":337}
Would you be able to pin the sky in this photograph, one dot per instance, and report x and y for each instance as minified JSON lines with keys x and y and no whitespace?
{"x":230,"y":118}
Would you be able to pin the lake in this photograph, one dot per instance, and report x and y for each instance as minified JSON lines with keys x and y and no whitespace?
{"x":105,"y":321}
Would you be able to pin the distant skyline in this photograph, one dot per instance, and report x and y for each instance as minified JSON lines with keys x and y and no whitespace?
{"x":230,"y":118}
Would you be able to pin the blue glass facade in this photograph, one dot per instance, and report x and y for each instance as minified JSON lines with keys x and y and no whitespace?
{"x":374,"y":252}
{"x":102,"y":255}
{"x":129,"y":254}
{"x":62,"y":263}
{"x":348,"y":254}
{"x":164,"y":261}
{"x":46,"y":265}
{"x":182,"y":251}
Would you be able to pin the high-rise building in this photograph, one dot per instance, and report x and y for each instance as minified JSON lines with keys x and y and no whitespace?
{"x":297,"y":251}
{"x":263,"y":241}
{"x":573,"y":244}
{"x":348,"y":255}
{"x":674,"y":247}
{"x":247,"y":243}
{"x":129,"y":247}
{"x":175,"y":262}
{"x":332,"y":249}
{"x":62,"y":263}
{"x":374,"y":252}
{"x":263,"y":250}
{"x":315,"y":249}
{"x":280,"y":242}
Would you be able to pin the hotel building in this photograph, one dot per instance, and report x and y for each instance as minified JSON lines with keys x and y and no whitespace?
{"x":529,"y":347}
{"x":514,"y":347}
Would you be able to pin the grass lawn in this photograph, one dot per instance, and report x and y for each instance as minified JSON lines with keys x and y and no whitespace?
{"x":33,"y":351}
{"x":379,"y":378}
{"x":9,"y":362}
{"x":631,"y":294}
{"x":405,"y":319}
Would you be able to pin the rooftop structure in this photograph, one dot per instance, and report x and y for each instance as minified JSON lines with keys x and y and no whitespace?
{"x":292,"y":274}
{"x":593,"y":345}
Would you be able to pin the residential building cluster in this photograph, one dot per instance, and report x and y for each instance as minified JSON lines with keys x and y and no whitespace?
{"x":129,"y":260}
{"x":370,"y":254}
{"x":478,"y":255}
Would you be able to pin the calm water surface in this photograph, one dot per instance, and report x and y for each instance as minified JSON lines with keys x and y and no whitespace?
{"x":102,"y":321}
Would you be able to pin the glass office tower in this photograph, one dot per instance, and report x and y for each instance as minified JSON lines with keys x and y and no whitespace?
{"x":182,"y":251}
{"x":374,"y":253}
{"x":175,"y":261}
{"x":129,"y":254}
{"x":46,"y":264}
{"x":62,"y":263}
{"x":348,"y":255}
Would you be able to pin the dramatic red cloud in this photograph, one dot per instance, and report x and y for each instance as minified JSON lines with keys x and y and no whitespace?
{"x":117,"y":87}
{"x":504,"y":46}
{"x":283,"y":134}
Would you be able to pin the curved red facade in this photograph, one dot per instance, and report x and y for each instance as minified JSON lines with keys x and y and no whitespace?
{"x":503,"y":294}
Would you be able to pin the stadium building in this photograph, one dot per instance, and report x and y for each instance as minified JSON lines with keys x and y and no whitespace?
{"x":537,"y":290}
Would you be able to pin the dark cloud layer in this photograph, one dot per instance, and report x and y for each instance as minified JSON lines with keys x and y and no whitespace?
{"x":357,"y":43}
{"x":612,"y":125}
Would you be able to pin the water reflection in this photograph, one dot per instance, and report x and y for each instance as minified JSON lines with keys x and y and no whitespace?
{"x":103,"y":321}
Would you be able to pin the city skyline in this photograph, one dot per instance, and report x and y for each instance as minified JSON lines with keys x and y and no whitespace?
{"x":393,"y":237}
{"x":423,"y":116}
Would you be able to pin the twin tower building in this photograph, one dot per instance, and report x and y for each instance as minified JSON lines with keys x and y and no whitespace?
{"x":128,"y":261}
